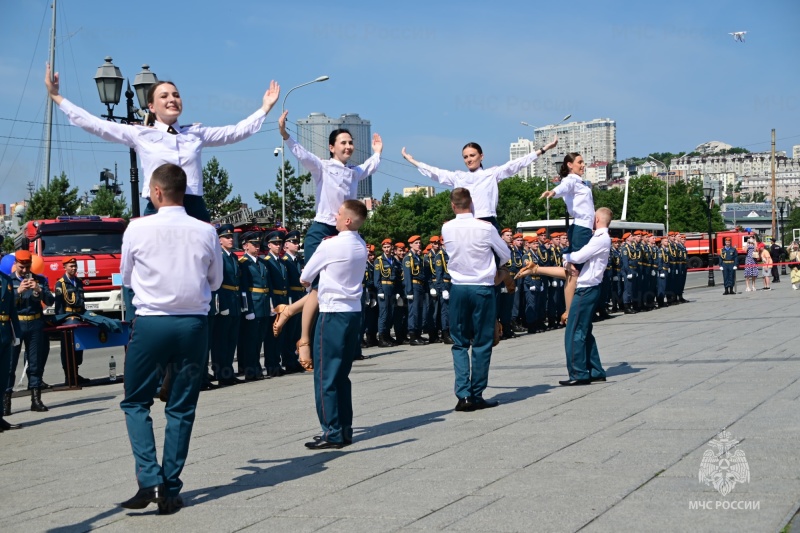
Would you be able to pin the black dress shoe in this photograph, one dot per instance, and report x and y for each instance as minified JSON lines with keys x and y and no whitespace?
{"x":573,"y":382}
{"x":145,"y":497}
{"x":324,"y":445}
{"x":170,"y":505}
{"x":230,"y":381}
{"x":480,"y":403}
{"x":7,"y":426}
{"x":464,"y":405}
{"x":359,"y":357}
{"x":83,"y":381}
{"x":274,"y":371}
{"x":597,"y":379}
{"x":347,"y":442}
{"x":48,"y":386}
{"x":254,"y":378}
{"x":209,"y":386}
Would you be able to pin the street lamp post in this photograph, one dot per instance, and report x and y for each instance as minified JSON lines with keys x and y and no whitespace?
{"x":781,"y":203}
{"x":708,"y":192}
{"x":109,"y":86}
{"x":666,"y":179}
{"x":283,"y":155}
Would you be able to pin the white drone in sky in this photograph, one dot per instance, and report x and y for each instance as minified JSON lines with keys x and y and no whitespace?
{"x":738,"y":36}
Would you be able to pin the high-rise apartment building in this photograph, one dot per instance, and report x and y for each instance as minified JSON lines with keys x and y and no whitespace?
{"x":313,"y":132}
{"x":595,"y":140}
{"x":521,"y":148}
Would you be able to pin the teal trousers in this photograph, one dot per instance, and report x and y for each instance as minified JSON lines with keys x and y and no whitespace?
{"x":158,"y":342}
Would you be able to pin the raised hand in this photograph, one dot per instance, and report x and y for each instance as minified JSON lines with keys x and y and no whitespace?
{"x":271,"y":96}
{"x":377,"y":143}
{"x":551,"y":144}
{"x":52,"y":85}
{"x":408,"y":157}
{"x":282,"y":125}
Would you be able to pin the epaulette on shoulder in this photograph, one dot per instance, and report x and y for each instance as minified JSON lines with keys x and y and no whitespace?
{"x":243,"y":259}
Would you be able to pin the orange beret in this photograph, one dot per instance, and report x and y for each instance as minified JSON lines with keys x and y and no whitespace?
{"x":413,"y":238}
{"x":22,"y":256}
{"x":68,"y":260}
{"x":428,"y":248}
{"x":386,"y":241}
{"x":399,"y":245}
{"x":626,"y":235}
{"x":434,"y":238}
{"x":614,"y":239}
{"x":541,"y":231}
{"x":371,"y":247}
{"x":528,"y":238}
{"x":517,"y":236}
{"x":505,"y":230}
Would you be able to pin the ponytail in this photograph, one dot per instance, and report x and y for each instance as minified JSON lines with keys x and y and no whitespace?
{"x":569,"y":158}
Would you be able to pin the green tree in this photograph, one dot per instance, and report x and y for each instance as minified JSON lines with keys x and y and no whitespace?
{"x":106,"y":203}
{"x":216,"y":190}
{"x":53,"y":201}
{"x":299,"y":209}
{"x":518,"y":201}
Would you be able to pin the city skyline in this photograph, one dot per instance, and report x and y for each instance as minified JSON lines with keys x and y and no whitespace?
{"x":431,"y":84}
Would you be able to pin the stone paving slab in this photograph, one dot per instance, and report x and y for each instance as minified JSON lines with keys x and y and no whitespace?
{"x":617,"y":456}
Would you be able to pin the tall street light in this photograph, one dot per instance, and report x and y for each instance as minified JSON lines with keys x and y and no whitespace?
{"x":283,"y":156}
{"x":666,"y":174}
{"x":708,"y":192}
{"x":109,"y":87}
{"x":781,"y":203}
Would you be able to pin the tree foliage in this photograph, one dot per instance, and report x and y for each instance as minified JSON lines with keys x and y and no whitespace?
{"x":106,"y":203}
{"x":299,"y":208}
{"x":398,"y":218}
{"x":56,"y":200}
{"x":216,"y":190}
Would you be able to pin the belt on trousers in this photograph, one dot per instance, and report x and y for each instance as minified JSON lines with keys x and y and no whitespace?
{"x":299,"y":289}
{"x":4,"y":318}
{"x":73,"y":309}
{"x":257,"y":289}
{"x":280,"y":293}
{"x":731,"y":261}
{"x":30,"y":317}
{"x":388,"y":282}
{"x":230,"y":287}
{"x":416,"y":281}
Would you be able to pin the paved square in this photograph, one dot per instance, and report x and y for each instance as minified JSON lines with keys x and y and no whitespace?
{"x":618,"y":456}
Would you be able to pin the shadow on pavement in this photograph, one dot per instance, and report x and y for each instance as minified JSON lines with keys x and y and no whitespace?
{"x":396,"y":426}
{"x":82,"y":401}
{"x":622,"y":369}
{"x":519,"y":394}
{"x":50,"y":419}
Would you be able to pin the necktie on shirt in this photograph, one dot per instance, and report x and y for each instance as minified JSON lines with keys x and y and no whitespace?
{"x":172,"y":130}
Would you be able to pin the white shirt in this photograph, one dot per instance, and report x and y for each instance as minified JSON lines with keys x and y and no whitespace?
{"x":172,"y":262}
{"x":155,"y":146}
{"x":339,"y":261}
{"x":482,"y":184}
{"x":470,"y":243}
{"x":594,"y":257}
{"x":333,"y":182}
{"x":579,"y":200}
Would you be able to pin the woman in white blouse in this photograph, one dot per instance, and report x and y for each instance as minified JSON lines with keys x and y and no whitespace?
{"x":481,"y":182}
{"x":163,"y":140}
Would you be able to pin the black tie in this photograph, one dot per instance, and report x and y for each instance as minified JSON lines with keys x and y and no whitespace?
{"x":172,"y":130}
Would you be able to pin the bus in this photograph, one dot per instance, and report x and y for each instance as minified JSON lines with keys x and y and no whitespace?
{"x":617,"y":228}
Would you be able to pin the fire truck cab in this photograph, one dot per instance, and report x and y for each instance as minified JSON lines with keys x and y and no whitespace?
{"x":96,"y":243}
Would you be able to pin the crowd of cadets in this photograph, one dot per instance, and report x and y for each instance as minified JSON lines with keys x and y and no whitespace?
{"x":406,"y":288}
{"x":406,"y":292}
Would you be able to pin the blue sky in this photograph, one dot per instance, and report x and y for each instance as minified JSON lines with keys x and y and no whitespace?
{"x":430,"y":76}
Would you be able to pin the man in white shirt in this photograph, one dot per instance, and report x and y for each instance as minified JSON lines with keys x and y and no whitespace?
{"x":339,"y":263}
{"x":583,"y":359}
{"x":472,"y":245}
{"x":172,"y":286}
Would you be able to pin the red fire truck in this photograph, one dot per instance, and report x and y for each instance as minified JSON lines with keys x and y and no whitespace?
{"x":697,"y":246}
{"x":96,"y":243}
